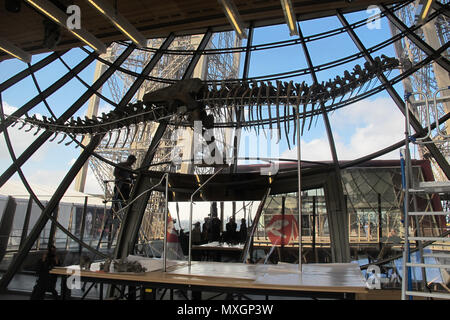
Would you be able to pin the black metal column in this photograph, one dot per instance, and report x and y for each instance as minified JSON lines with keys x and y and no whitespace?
{"x":35,"y":67}
{"x":133,"y":215}
{"x":54,"y":201}
{"x":49,"y":91}
{"x":314,"y":209}
{"x":190,"y":68}
{"x":129,"y":229}
{"x":6,"y":224}
{"x":51,"y":237}
{"x":83,"y":222}
{"x":51,"y":206}
{"x":340,"y":247}
{"x":134,"y":223}
{"x":26,"y":222}
{"x":65,"y":116}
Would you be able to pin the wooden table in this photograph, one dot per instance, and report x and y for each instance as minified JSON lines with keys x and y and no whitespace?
{"x":328,"y":280}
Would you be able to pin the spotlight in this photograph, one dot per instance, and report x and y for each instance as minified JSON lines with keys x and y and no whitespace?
{"x":13,"y":5}
{"x":119,"y":22}
{"x":60,"y":17}
{"x":233,"y":16}
{"x":289,"y":15}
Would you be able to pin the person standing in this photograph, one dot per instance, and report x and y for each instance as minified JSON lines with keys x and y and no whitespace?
{"x":215,"y":229}
{"x":46,"y":282}
{"x":196,"y":234}
{"x":205,"y":230}
{"x":123,"y":179}
{"x":243,"y":231}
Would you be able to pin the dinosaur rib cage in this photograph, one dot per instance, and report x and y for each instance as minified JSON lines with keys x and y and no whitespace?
{"x":259,"y":103}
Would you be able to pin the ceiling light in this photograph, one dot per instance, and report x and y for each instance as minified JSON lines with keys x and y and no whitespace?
{"x":423,"y":9}
{"x":14,"y":51}
{"x":120,"y":22}
{"x":58,"y":16}
{"x":233,"y":17}
{"x":289,"y":15}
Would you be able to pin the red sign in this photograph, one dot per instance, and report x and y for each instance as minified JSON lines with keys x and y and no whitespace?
{"x":172,"y":235}
{"x":282,"y":229}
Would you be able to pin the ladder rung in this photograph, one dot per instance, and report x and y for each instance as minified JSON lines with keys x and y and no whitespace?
{"x":436,"y":255}
{"x":428,"y":294}
{"x":432,"y":187}
{"x":428,"y":213}
{"x":427,"y":265}
{"x":428,"y":239}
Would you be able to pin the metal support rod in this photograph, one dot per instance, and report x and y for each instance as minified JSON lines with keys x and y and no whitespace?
{"x":166,"y":211}
{"x":299,"y":195}
{"x":340,"y":240}
{"x":6,"y":224}
{"x":248,"y":52}
{"x":406,"y":251}
{"x":26,"y":222}
{"x":380,"y":222}
{"x":51,"y":237}
{"x":83,"y":222}
{"x":190,"y":213}
{"x":283,"y":209}
{"x":254,"y":226}
{"x":314,"y":209}
{"x":196,"y":57}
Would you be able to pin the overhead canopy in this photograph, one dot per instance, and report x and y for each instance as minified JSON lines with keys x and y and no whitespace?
{"x":155,"y":19}
{"x":17,"y":190}
{"x":248,"y":184}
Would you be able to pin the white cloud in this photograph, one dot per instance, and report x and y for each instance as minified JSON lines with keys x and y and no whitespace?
{"x":20,"y":139}
{"x":50,"y":178}
{"x":92,"y":185}
{"x":358,"y":130}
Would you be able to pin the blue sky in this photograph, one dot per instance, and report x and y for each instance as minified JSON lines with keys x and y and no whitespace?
{"x":358,"y":129}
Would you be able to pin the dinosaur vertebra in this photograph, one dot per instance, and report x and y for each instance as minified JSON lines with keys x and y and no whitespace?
{"x":188,"y":100}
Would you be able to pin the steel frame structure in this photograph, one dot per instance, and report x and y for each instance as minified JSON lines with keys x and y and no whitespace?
{"x":133,"y":218}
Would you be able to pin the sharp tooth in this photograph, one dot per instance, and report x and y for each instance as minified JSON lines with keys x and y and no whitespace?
{"x":68,"y":143}
{"x":117,"y":139}
{"x":31,"y":127}
{"x":126,"y":137}
{"x":64,"y":137}
{"x":54,"y":137}
{"x":268,"y":106}
{"x":136,"y":129}
{"x":278,"y":109}
{"x":109,"y":139}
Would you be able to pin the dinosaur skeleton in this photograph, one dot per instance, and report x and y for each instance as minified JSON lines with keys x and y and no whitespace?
{"x":193,"y":100}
